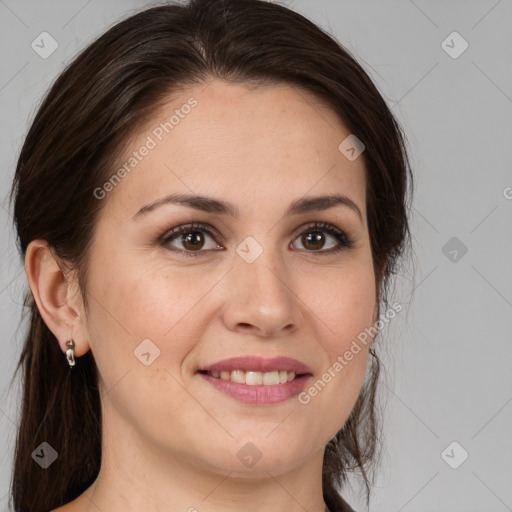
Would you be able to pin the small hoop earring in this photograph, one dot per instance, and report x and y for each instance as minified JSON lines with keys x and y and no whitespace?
{"x":70,"y":353}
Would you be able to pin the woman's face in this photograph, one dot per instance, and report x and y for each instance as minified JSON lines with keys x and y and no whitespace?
{"x":256,"y":280}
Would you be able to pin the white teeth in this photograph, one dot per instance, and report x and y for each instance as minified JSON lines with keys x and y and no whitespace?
{"x":238,"y":376}
{"x":270,"y":378}
{"x":252,"y":378}
{"x":256,"y":378}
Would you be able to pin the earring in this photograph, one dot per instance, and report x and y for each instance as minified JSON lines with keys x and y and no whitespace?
{"x":70,"y":353}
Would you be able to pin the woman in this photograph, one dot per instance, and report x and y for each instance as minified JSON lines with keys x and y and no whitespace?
{"x":210,"y":203}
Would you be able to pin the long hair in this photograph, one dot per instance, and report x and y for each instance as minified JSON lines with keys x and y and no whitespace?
{"x":87,"y":117}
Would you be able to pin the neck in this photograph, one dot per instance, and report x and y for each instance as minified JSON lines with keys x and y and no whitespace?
{"x":136,"y":475}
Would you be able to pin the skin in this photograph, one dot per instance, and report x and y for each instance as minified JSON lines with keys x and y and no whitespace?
{"x":170,"y":440}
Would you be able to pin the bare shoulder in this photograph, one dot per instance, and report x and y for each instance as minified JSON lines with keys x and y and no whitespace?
{"x":72,"y":506}
{"x":79,"y":504}
{"x":64,"y":508}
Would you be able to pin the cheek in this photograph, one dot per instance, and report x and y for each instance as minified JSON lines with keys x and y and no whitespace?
{"x":344,"y":304}
{"x":139,"y":336}
{"x":344,"y":307}
{"x":136,"y":302}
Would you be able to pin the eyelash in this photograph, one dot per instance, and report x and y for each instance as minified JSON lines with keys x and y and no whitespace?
{"x":343,"y":239}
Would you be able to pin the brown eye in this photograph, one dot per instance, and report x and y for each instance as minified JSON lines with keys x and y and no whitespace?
{"x":313,"y":240}
{"x":317,"y":235}
{"x":193,"y":240}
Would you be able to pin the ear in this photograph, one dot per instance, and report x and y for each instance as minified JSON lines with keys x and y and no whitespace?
{"x":56,"y":293}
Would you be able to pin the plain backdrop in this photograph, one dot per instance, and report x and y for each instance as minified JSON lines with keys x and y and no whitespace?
{"x":448,"y":387}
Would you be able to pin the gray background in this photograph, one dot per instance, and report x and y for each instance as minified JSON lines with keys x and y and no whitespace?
{"x":448,"y":357}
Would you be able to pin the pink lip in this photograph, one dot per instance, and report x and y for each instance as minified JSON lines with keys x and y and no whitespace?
{"x":258,"y":364}
{"x":261,"y":395}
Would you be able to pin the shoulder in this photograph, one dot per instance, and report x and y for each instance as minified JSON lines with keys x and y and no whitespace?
{"x":72,"y":506}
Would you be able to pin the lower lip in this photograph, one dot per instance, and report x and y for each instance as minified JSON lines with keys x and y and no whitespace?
{"x":260,"y":394}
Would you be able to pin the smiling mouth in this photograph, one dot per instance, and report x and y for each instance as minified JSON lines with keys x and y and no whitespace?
{"x":251,"y":378}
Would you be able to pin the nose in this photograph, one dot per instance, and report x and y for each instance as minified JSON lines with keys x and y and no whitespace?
{"x":260,"y":298}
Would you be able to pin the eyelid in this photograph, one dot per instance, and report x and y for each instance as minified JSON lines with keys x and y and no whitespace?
{"x":318,"y":225}
{"x":200,"y":226}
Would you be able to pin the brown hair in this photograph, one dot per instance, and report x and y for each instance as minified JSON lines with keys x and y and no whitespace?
{"x":85,"y":120}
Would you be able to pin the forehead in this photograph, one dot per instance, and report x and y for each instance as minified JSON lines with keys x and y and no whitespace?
{"x":258,"y":143}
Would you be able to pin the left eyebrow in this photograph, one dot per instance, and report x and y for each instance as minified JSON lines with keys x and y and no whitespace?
{"x":319,"y":203}
{"x":216,"y":206}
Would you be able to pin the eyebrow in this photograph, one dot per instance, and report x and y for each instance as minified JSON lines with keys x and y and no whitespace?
{"x":217,"y":206}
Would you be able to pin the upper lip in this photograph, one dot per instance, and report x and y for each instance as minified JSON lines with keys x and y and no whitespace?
{"x":258,"y":364}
